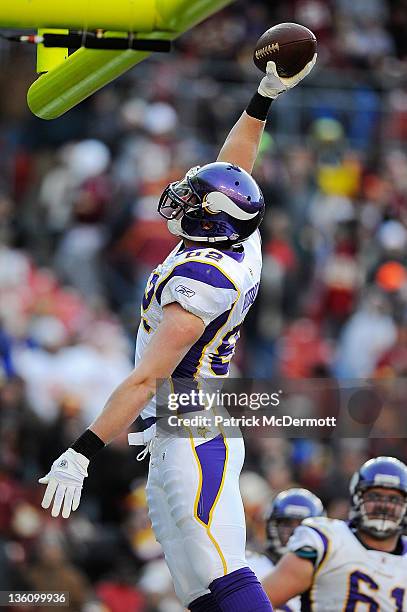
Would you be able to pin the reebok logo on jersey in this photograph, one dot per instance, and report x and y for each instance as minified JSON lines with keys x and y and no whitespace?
{"x":185,"y":291}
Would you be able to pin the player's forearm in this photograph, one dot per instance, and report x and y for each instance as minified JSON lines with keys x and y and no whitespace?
{"x":277,"y":593}
{"x":291,"y":577}
{"x":123,"y":407}
{"x":242,"y":143}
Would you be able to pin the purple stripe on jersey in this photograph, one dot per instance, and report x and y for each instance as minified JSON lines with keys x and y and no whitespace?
{"x":212,"y":457}
{"x":200,"y":271}
{"x":404,"y":544}
{"x":324,"y":541}
{"x":188,"y":367}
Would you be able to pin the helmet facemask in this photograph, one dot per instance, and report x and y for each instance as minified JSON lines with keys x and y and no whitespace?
{"x":179,"y":199}
{"x":382,"y":511}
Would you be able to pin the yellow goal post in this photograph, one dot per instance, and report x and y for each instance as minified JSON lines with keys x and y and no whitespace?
{"x":66,"y":81}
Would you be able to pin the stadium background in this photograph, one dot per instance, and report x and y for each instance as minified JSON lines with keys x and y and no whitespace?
{"x":79,"y":234}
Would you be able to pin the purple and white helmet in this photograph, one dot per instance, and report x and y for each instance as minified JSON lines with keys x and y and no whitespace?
{"x":288,"y":508}
{"x":218,"y":202}
{"x":385,"y":518}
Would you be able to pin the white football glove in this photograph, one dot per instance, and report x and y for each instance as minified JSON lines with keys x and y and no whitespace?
{"x":65,"y":481}
{"x":272,"y":85}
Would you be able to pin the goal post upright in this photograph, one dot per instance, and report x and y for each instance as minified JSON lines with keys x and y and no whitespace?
{"x":69,"y":81}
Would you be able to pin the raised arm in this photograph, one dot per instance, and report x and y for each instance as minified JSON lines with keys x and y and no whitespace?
{"x":242,"y":143}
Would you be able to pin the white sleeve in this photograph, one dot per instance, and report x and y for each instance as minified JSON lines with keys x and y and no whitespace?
{"x":200,"y":288}
{"x":310,"y":539}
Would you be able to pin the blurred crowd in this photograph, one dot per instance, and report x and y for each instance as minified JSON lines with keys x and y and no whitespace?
{"x":79,"y":234}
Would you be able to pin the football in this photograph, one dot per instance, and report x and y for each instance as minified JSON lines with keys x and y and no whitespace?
{"x":290,"y":45}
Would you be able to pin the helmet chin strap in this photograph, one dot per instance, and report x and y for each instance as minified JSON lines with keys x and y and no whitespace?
{"x":174,"y":226}
{"x":381,"y":528}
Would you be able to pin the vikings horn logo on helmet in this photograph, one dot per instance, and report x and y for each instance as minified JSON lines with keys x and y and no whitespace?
{"x":217,"y":202}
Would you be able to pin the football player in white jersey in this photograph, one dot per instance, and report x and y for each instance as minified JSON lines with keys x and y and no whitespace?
{"x":193,"y":307}
{"x":360,"y":565}
{"x":287,"y":511}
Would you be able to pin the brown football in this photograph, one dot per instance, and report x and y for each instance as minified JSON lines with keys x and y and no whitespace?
{"x":290,"y":45}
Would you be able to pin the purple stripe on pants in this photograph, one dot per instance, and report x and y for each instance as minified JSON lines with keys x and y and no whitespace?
{"x":212,"y":457}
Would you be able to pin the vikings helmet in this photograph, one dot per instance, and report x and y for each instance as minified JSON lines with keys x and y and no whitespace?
{"x":288,"y":510}
{"x":386,"y":518}
{"x":218,"y":202}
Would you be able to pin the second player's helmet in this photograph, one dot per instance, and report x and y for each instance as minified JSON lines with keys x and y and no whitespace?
{"x":218,"y":203}
{"x":288,"y":510}
{"x":377,"y":515}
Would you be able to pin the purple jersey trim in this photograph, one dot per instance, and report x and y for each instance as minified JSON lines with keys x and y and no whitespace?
{"x":212,"y":459}
{"x":200,"y":271}
{"x":306,"y":601}
{"x":325,"y":542}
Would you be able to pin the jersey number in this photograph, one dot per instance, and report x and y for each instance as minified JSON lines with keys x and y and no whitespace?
{"x":149,"y":292}
{"x":356,"y":580}
{"x":215,"y":255}
{"x":220,"y":359}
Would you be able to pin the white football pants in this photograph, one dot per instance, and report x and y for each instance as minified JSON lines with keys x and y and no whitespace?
{"x":196,"y":509}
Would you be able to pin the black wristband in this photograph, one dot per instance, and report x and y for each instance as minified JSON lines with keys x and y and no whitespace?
{"x":259,"y":107}
{"x":88,"y":444}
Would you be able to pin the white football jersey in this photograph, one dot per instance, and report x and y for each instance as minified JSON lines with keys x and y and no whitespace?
{"x":217,"y":286}
{"x":350,"y":577}
{"x":262,"y":565}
